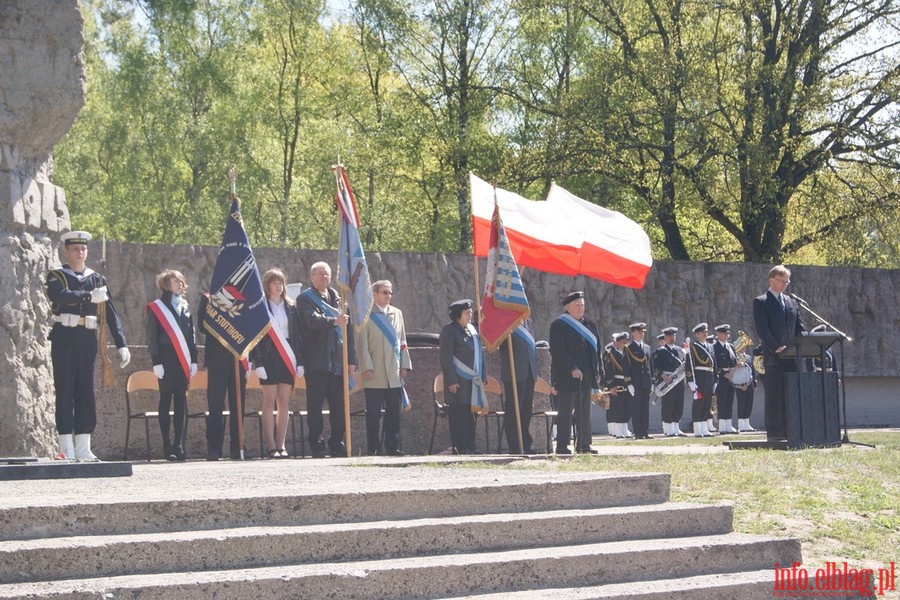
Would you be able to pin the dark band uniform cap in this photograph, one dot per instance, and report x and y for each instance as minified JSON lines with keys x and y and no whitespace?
{"x":700,"y":327}
{"x":75,"y":237}
{"x":638,"y":325}
{"x":724,"y":327}
{"x":572,"y":296}
{"x":670,"y":331}
{"x":618,"y":337}
{"x":456,"y":308}
{"x":661,"y":336}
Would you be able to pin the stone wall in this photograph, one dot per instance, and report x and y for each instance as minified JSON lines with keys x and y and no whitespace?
{"x":676,"y":293}
{"x":42,"y":88}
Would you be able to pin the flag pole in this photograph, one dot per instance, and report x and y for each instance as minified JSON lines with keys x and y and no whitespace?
{"x":239,"y":401}
{"x":515,"y":390}
{"x":345,"y":359}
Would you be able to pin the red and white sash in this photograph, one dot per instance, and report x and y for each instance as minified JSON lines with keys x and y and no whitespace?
{"x":173,"y":330}
{"x":281,"y":344}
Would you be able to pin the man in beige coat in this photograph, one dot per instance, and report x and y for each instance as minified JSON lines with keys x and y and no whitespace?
{"x":383,"y":358}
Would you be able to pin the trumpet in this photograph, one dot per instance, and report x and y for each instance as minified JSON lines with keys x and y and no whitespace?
{"x":601,"y":397}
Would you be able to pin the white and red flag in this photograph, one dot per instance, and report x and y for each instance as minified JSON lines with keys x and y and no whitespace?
{"x":565,"y":235}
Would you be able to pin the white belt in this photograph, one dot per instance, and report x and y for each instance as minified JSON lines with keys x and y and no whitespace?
{"x":703,"y":369}
{"x":59,"y":319}
{"x":619,"y":377}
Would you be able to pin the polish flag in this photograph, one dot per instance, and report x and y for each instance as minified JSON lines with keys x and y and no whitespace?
{"x":565,"y":235}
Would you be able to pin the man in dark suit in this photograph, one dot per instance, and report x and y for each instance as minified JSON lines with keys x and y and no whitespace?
{"x":525,"y":364}
{"x":641,"y":359}
{"x":574,"y":372}
{"x":778,"y":322}
{"x":321,"y":318}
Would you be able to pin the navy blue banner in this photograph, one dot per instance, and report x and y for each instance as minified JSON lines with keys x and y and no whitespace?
{"x":237,"y":314}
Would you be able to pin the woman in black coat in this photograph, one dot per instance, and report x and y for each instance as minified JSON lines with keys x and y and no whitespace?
{"x":173,"y":352}
{"x":462,"y":363}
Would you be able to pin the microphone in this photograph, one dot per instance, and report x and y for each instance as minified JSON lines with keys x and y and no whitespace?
{"x":797,"y":298}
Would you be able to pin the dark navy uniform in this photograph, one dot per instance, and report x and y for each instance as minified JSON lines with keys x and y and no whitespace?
{"x":641,"y":367}
{"x":668,"y":359}
{"x":701,"y":371}
{"x":617,"y":368}
{"x":73,"y":350}
{"x":726,"y":360}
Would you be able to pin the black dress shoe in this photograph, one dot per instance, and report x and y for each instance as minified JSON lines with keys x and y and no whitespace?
{"x":588,"y":450}
{"x":563,"y":451}
{"x":213,"y":456}
{"x":318,"y":454}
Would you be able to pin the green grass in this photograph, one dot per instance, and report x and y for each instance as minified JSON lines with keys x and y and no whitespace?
{"x":842,"y":503}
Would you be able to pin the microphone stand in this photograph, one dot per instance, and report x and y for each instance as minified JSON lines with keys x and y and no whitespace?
{"x":842,"y":377}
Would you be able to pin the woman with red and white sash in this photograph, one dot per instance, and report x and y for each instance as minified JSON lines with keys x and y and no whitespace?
{"x":170,"y":340}
{"x":277,"y":360}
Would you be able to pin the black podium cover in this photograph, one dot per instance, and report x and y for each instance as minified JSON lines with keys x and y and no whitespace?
{"x":813,"y":416}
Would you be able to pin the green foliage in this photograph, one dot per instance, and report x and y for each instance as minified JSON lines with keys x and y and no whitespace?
{"x":725,"y":137}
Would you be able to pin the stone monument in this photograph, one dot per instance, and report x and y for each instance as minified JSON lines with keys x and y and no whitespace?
{"x":42,"y":88}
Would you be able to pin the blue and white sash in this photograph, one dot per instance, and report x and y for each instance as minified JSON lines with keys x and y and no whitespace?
{"x":476,"y":375}
{"x":326,"y":308}
{"x":579,"y":327}
{"x":384,"y":324}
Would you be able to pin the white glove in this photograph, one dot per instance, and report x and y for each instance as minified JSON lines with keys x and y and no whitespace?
{"x":693,"y":386}
{"x":125,"y":356}
{"x":159,"y":371}
{"x":261,"y":373}
{"x":300,"y":370}
{"x":99,"y":295}
{"x":631,"y":389}
{"x":193,"y":369}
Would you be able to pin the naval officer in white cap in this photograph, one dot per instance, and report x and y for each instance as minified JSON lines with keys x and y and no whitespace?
{"x":75,"y":291}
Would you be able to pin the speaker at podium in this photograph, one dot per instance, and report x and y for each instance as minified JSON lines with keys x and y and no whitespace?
{"x":811,"y":395}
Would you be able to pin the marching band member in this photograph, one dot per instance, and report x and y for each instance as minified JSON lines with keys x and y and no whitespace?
{"x":725,"y":362}
{"x":641,"y":360}
{"x":666,"y":362}
{"x":701,"y":379}
{"x":618,"y":380}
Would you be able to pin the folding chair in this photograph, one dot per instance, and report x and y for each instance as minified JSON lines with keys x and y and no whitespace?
{"x":543,"y":388}
{"x":253,"y":384}
{"x":137,"y":382}
{"x":196,"y":398}
{"x":440,"y":409}
{"x":492,"y":387}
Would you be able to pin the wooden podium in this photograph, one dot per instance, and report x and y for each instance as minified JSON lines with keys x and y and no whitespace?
{"x":812,"y":404}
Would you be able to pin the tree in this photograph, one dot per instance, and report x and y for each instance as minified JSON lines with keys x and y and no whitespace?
{"x":808,"y":94}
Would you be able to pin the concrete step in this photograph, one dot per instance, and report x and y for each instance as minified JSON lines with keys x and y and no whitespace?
{"x":444,"y":575}
{"x":246,"y":547}
{"x":744,"y":585}
{"x":32,"y":522}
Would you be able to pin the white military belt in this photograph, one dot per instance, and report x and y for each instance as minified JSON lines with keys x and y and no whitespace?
{"x":59,"y":319}
{"x":703,"y":369}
